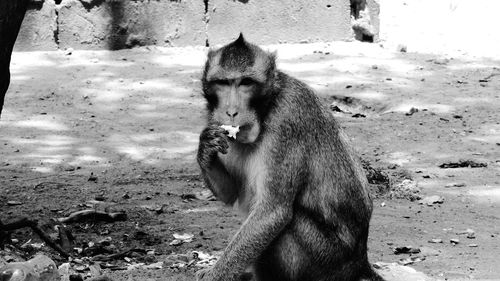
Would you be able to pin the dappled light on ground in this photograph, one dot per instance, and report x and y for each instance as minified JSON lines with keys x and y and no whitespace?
{"x":145,"y":104}
{"x":126,"y":124}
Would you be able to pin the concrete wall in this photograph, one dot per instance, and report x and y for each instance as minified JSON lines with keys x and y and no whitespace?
{"x":277,"y":21}
{"x":115,"y":24}
{"x":39,"y":27}
{"x":444,"y":26}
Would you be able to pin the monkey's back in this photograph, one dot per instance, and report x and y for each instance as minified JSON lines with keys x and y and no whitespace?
{"x":332,"y":208}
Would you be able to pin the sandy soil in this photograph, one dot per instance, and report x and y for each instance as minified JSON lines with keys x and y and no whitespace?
{"x":130,"y":121}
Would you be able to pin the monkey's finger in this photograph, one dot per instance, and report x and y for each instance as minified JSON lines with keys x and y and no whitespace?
{"x":223,"y":150}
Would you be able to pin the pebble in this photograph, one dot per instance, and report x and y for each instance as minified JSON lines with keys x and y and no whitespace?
{"x":455,"y":184}
{"x":436,"y":240}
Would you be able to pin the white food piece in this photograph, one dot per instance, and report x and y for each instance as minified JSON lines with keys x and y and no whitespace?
{"x":232,"y":131}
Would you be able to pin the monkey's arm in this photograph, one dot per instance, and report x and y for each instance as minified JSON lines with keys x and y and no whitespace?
{"x":218,"y":180}
{"x":269,"y":215}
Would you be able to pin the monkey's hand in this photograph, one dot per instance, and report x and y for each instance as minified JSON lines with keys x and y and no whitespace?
{"x":203,"y":274}
{"x":213,"y":139}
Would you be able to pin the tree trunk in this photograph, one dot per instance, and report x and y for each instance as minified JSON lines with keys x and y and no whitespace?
{"x":11,"y":16}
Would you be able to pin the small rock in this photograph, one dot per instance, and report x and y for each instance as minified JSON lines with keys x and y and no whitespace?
{"x":335,"y":108}
{"x":454,"y":241}
{"x":436,"y":240}
{"x":100,"y":198}
{"x":441,"y":61}
{"x":382,"y":204}
{"x":157,"y":265}
{"x":473,"y":245}
{"x":469,"y":232}
{"x":358,"y":115}
{"x":402,"y":48}
{"x":455,"y":184}
{"x":431,"y":200}
{"x":14,"y":203}
{"x":410,"y":260}
{"x":412,"y":111}
{"x":69,"y":51}
{"x":92,"y":178}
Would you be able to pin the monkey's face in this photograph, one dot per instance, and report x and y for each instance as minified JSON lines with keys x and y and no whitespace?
{"x":230,"y":101}
{"x":235,"y":80}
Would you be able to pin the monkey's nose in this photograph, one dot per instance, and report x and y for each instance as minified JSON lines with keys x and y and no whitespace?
{"x":232,"y":114}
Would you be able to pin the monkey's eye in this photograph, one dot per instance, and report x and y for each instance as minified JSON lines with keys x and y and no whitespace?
{"x":247,"y":82}
{"x":221,"y":82}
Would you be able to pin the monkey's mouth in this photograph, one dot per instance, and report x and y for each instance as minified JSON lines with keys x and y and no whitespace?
{"x":248,"y":133}
{"x":246,"y":127}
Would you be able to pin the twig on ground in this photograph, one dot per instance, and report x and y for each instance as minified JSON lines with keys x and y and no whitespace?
{"x":118,"y":255}
{"x":93,"y":215}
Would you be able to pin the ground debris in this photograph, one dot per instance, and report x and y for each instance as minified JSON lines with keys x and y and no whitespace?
{"x":455,"y":184}
{"x":411,"y":260}
{"x":24,"y":222}
{"x":181,"y":239}
{"x":406,"y":250}
{"x":470,"y":233}
{"x":412,"y":111}
{"x":407,"y":189}
{"x":463,"y":164}
{"x":120,"y":255}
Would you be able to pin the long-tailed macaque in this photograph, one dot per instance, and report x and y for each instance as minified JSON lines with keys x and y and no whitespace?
{"x":288,"y":168}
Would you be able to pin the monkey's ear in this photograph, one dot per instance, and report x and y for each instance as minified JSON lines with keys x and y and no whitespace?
{"x":272,"y":59}
{"x":273,"y":55}
{"x":211,"y":53}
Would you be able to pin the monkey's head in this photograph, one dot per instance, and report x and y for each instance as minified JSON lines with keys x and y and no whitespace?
{"x":237,"y":84}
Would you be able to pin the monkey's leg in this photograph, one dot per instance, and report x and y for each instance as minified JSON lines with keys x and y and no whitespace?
{"x":11,"y":16}
{"x":264,"y":223}
{"x":220,"y":182}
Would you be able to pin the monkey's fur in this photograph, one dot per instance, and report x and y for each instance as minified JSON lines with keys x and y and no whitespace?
{"x":289,"y":169}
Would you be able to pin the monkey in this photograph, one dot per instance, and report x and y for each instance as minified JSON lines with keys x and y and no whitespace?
{"x":289,"y":169}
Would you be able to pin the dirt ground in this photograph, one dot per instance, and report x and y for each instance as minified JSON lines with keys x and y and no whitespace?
{"x":118,"y":131}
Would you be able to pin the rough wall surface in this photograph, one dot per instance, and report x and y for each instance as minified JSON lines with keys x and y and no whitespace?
{"x":116,"y":24}
{"x":278,"y":21}
{"x":445,"y":26}
{"x":374,"y":10}
{"x":39,"y":27}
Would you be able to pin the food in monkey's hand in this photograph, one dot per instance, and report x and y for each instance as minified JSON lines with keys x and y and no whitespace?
{"x":232,"y":130}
